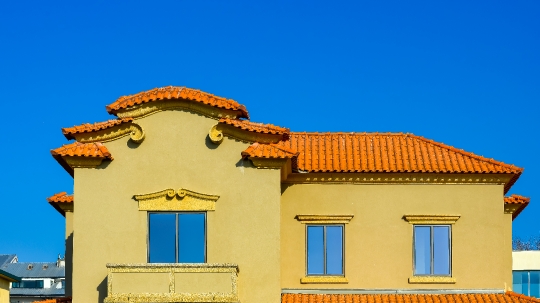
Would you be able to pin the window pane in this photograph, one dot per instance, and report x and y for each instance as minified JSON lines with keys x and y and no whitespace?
{"x":517,"y":284}
{"x":334,"y":250}
{"x":162,"y":238}
{"x":525,"y":283}
{"x":191,"y":238}
{"x":422,"y":250}
{"x":534,"y":281}
{"x":315,"y":250}
{"x":441,"y":250}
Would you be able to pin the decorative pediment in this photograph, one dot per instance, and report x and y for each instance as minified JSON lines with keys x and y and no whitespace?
{"x":181,"y":200}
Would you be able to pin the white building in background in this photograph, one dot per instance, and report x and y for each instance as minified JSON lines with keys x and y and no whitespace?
{"x":39,"y":280}
{"x":526,"y":272}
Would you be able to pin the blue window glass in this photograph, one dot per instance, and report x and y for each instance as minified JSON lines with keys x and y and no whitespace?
{"x":162,"y":238}
{"x":315,"y":250}
{"x":534,"y":284}
{"x":432,"y":250}
{"x":526,"y":282}
{"x":325,"y":250}
{"x":177,"y":237}
{"x":191,"y":238}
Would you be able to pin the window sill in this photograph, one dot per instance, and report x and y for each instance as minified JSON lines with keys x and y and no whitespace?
{"x":324,"y":280}
{"x":432,"y":280}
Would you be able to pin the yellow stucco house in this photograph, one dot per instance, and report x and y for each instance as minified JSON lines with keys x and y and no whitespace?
{"x":5,"y":279}
{"x":182,"y":198}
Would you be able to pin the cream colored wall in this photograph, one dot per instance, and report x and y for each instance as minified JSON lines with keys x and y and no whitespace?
{"x":378,"y":242}
{"x":526,"y":260}
{"x":244,"y":229}
{"x":4,"y":290}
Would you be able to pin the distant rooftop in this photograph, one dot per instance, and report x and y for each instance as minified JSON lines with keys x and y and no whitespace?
{"x":7,"y":259}
{"x":35,"y":269}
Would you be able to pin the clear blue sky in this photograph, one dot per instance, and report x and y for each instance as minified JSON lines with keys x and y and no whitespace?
{"x":465,"y":73}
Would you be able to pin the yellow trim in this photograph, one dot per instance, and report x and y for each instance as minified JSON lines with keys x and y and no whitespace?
{"x":324,"y":280}
{"x":183,"y":199}
{"x":431,"y":219}
{"x":134,"y":130}
{"x":305,"y":219}
{"x":431,"y":280}
{"x":82,"y":162}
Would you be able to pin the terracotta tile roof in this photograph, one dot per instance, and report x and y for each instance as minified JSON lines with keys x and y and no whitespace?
{"x":386,"y":152}
{"x":257,"y":127}
{"x":258,"y":150}
{"x":517,"y":199}
{"x":87,"y":128}
{"x":61,"y":197}
{"x":508,"y":297}
{"x":77,"y":149}
{"x":61,"y":200}
{"x":176,"y":92}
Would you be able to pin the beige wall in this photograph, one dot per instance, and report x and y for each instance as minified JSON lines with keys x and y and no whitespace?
{"x":244,"y":228}
{"x":4,"y":290}
{"x":378,"y":242}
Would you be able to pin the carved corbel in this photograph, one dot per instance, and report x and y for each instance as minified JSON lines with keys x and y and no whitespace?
{"x":215,"y":134}
{"x":137,"y":133}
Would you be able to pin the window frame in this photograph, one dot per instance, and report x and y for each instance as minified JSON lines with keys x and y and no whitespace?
{"x":432,"y":250}
{"x":177,"y":213}
{"x":324,"y":251}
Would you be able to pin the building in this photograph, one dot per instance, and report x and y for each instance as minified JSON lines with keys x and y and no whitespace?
{"x":5,"y":280}
{"x":526,"y":272}
{"x":183,"y":199}
{"x":37,"y":280}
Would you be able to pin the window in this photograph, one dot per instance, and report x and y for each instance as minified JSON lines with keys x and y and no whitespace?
{"x":28,"y":284}
{"x":432,"y":250}
{"x":324,"y":250}
{"x":177,"y":237}
{"x":526,"y":282}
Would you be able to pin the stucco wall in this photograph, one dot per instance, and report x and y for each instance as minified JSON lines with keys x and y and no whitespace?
{"x":378,"y":242}
{"x":4,"y":290}
{"x":244,"y":229}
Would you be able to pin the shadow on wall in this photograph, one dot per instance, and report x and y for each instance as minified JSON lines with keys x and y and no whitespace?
{"x":102,"y":290}
{"x":69,"y":266}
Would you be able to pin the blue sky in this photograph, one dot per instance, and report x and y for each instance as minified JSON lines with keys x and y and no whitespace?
{"x":465,"y":73}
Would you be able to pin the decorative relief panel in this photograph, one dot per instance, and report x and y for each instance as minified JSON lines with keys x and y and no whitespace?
{"x":171,"y":200}
{"x":174,"y":270}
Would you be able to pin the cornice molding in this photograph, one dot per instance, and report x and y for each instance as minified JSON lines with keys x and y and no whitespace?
{"x":268,"y":163}
{"x":396,"y":178}
{"x":218,"y":131}
{"x":83,"y":162}
{"x":324,"y":219}
{"x":146,"y":109}
{"x":134,"y":130}
{"x":431,"y":219}
{"x":512,"y":208}
{"x":181,"y":200}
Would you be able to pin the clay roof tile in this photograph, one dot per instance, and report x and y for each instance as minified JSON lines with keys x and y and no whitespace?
{"x":176,"y":92}
{"x":409,"y":298}
{"x":87,"y":127}
{"x":257,"y":127}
